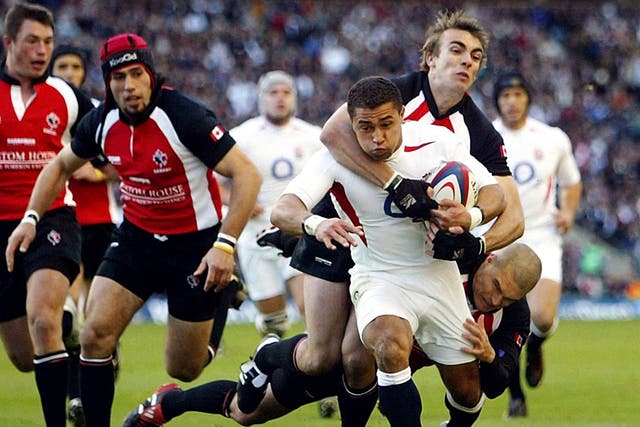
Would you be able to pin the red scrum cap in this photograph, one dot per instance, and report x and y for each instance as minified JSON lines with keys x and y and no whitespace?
{"x":126,"y":49}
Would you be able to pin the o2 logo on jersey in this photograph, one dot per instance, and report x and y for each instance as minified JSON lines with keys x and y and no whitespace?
{"x":282,"y":168}
{"x":524,"y":172}
{"x":53,"y":121}
{"x":390,"y":208}
{"x":161,"y":159}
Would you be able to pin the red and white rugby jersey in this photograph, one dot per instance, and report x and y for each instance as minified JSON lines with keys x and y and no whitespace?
{"x":165,"y":162}
{"x":465,"y":119}
{"x":95,"y":202}
{"x":31,"y":134}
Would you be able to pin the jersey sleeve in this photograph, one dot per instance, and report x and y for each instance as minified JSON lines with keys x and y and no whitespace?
{"x":486,"y":143}
{"x":85,"y":141}
{"x":198,"y":128}
{"x":568,"y":172}
{"x":507,"y":341}
{"x":315,"y":179}
{"x":84,"y":107}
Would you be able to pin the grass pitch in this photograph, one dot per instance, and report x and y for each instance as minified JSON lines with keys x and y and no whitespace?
{"x":592,"y":378}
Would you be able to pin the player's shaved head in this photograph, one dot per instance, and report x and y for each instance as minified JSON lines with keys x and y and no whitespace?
{"x":522,"y":263}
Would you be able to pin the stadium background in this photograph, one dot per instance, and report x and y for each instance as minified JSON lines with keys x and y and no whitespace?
{"x":581,"y":58}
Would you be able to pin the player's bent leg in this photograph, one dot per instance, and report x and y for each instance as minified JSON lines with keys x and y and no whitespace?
{"x":295,"y":285}
{"x":321,"y":352}
{"x":358,"y":393}
{"x":543,"y":301}
{"x":17,"y":343}
{"x":390,"y":338}
{"x":110,"y":308}
{"x":268,"y":409}
{"x":186,"y":352}
{"x":464,"y":398}
{"x":46,"y":291}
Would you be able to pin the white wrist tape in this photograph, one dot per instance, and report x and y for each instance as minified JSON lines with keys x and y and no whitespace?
{"x":31,"y":217}
{"x":310,"y":224}
{"x":476,"y":217}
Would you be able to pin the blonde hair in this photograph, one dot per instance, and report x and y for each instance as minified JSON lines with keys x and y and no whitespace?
{"x":452,"y":20}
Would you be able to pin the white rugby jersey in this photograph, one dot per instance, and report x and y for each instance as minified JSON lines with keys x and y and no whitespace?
{"x":540,"y":158}
{"x":279,"y":153}
{"x":392,"y":240}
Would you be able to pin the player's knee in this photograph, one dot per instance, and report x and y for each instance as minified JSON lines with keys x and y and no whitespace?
{"x":96,"y":343}
{"x":466,"y":394}
{"x":184,"y":372}
{"x":22,"y":361}
{"x":273,"y":323}
{"x":42,"y":327}
{"x":359,"y":369}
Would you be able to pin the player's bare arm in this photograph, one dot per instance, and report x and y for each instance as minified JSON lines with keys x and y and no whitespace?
{"x":509,"y":225}
{"x":292,"y":216}
{"x":245,"y":184}
{"x":569,"y":200}
{"x":491,"y":200}
{"x":49,"y":184}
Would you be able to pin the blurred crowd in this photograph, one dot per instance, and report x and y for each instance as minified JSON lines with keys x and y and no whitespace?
{"x":582,"y":59}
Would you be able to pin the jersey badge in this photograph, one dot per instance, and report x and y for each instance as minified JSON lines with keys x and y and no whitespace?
{"x":217,"y":133}
{"x":161,"y":159}
{"x":53,"y":121}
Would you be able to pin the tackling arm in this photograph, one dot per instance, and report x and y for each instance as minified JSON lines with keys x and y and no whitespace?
{"x":410,"y":195}
{"x":509,"y":225}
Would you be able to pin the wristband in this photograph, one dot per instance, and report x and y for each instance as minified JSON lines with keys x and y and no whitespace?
{"x":393,"y":182}
{"x":310,"y":224}
{"x":225,"y":247}
{"x":476,"y":217}
{"x":31,"y":217}
{"x":99,"y":174}
{"x":226,"y":238}
{"x":483,"y":245}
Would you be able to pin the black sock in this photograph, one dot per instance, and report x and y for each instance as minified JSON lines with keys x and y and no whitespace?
{"x":515,"y":388}
{"x":356,"y":405}
{"x":459,"y":417}
{"x":401,"y":404}
{"x":534,"y":342}
{"x":278,"y":355}
{"x":96,"y":390}
{"x":290,"y":388}
{"x":73,"y":377}
{"x":220,"y":316}
{"x":51,"y":379}
{"x":210,"y":398}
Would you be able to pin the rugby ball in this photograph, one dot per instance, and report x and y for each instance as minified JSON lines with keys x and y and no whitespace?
{"x":454,"y":180}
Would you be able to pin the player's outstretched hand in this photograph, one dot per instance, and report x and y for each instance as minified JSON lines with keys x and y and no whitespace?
{"x":457,"y":247}
{"x":275,"y":238}
{"x":20,"y":239}
{"x":477,"y":335}
{"x":333,"y":230}
{"x":219,"y":267}
{"x":411,"y":197}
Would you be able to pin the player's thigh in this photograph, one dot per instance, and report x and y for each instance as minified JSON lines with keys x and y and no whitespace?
{"x":17,"y":343}
{"x":110,"y":308}
{"x":327,"y":307}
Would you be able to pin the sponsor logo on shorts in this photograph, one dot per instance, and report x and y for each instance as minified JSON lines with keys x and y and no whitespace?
{"x":193,"y":281}
{"x":323,"y":261}
{"x":54,"y":237}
